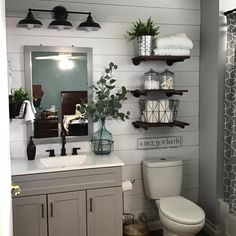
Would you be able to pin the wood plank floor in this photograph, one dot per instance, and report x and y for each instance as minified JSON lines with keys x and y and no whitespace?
{"x":159,"y":233}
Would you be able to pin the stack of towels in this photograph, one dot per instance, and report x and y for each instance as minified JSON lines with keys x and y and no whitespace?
{"x":174,"y":45}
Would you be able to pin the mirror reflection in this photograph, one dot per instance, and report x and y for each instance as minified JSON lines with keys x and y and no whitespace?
{"x":58,"y":79}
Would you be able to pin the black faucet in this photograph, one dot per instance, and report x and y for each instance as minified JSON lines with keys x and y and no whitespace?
{"x":63,"y":143}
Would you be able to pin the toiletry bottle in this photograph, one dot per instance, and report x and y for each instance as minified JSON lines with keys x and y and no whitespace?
{"x":31,"y":149}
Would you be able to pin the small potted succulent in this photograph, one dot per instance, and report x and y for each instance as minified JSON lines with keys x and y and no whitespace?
{"x":107,"y":105}
{"x":15,"y":101}
{"x":143,"y":32}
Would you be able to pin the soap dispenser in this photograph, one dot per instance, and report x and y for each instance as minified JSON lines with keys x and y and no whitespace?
{"x":31,"y":149}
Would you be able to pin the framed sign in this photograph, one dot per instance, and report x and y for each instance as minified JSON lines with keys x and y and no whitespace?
{"x":159,"y":142}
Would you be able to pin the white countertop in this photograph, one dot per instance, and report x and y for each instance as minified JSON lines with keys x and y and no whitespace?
{"x":25,"y":167}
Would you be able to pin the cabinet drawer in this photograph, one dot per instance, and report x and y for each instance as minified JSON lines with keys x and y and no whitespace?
{"x":47,"y":124}
{"x":45,"y":133}
{"x":73,"y":180}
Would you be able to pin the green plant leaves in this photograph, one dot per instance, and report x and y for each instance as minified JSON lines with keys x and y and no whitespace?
{"x":140,"y":28}
{"x":19,"y":95}
{"x":112,"y":81}
{"x":107,"y":103}
{"x":110,"y":87}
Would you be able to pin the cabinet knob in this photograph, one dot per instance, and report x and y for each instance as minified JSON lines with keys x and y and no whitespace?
{"x":51,"y":206}
{"x":91,"y":204}
{"x":42,"y":207}
{"x":15,"y":189}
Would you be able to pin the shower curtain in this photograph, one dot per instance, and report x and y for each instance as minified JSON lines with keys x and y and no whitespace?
{"x":229,"y":174}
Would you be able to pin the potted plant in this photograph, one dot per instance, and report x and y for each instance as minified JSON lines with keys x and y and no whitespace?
{"x":107,"y":105}
{"x":15,"y":101}
{"x":143,"y":32}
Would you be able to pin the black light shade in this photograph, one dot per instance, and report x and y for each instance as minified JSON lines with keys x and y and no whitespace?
{"x":29,"y":22}
{"x":60,"y":22}
{"x":60,"y":14}
{"x":89,"y":25}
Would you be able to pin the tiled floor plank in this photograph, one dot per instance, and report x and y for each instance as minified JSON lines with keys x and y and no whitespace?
{"x":159,"y":233}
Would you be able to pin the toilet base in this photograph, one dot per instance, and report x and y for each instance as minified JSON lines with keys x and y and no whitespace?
{"x":173,"y":228}
{"x":166,"y":232}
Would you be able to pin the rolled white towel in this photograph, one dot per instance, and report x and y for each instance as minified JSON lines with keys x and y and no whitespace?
{"x":178,"y":41}
{"x":182,"y":41}
{"x":171,"y":52}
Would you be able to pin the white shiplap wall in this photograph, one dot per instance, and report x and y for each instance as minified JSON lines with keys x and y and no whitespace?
{"x":110,"y":44}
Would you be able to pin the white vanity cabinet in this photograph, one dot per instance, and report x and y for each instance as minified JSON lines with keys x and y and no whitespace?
{"x":104,"y":213}
{"x":29,"y":216}
{"x":72,"y":203}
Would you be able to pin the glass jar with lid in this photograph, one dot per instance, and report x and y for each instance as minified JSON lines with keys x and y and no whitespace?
{"x":151,"y":80}
{"x":167,"y":79}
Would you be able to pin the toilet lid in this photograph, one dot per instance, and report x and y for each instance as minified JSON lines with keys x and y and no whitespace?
{"x":181,"y":210}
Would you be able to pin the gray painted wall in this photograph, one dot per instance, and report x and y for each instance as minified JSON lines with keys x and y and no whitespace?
{"x":212,"y":56}
{"x":208,"y":108}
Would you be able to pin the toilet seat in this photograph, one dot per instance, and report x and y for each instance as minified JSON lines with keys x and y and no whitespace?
{"x":181,"y":210}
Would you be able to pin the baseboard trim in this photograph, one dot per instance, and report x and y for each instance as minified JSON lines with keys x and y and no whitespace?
{"x":212,"y":229}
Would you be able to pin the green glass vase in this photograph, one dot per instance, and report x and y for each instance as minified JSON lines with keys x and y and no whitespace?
{"x":102,"y":140}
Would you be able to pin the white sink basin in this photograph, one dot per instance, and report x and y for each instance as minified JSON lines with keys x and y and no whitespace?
{"x":63,"y":161}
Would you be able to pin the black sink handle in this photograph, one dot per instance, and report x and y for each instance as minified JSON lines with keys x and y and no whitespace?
{"x":51,"y":152}
{"x":74,"y":151}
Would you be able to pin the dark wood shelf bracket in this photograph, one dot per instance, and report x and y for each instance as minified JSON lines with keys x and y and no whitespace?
{"x":170,"y":60}
{"x":168,"y":92}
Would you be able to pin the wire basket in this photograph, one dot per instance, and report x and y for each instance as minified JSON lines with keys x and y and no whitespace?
{"x":159,"y":111}
{"x":102,"y":146}
{"x":128,"y":218}
{"x":134,"y":227}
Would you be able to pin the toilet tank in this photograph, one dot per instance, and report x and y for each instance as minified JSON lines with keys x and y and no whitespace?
{"x":162,"y":177}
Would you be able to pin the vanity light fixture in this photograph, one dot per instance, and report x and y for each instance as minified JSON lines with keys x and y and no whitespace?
{"x":29,"y":22}
{"x":89,"y":25}
{"x":59,"y":14}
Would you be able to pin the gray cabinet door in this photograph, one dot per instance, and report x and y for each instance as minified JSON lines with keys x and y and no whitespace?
{"x":30,"y":216}
{"x":67,"y":214}
{"x":104,"y":212}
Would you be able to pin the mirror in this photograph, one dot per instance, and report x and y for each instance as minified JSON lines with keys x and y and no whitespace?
{"x":58,"y":79}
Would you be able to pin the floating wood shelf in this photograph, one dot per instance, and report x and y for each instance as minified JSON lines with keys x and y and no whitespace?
{"x":145,"y":125}
{"x":170,"y":60}
{"x":168,"y":92}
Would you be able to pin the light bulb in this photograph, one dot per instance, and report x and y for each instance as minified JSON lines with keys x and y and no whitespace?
{"x":60,"y":27}
{"x":30,"y":26}
{"x":66,"y":64}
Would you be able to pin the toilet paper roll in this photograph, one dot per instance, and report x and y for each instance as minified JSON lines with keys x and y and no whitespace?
{"x":163,"y":104}
{"x":148,"y":106}
{"x":127,"y":185}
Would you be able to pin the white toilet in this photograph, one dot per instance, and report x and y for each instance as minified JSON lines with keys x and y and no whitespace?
{"x":162,"y":183}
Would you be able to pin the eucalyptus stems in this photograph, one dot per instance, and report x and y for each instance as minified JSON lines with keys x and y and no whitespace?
{"x":107,"y":102}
